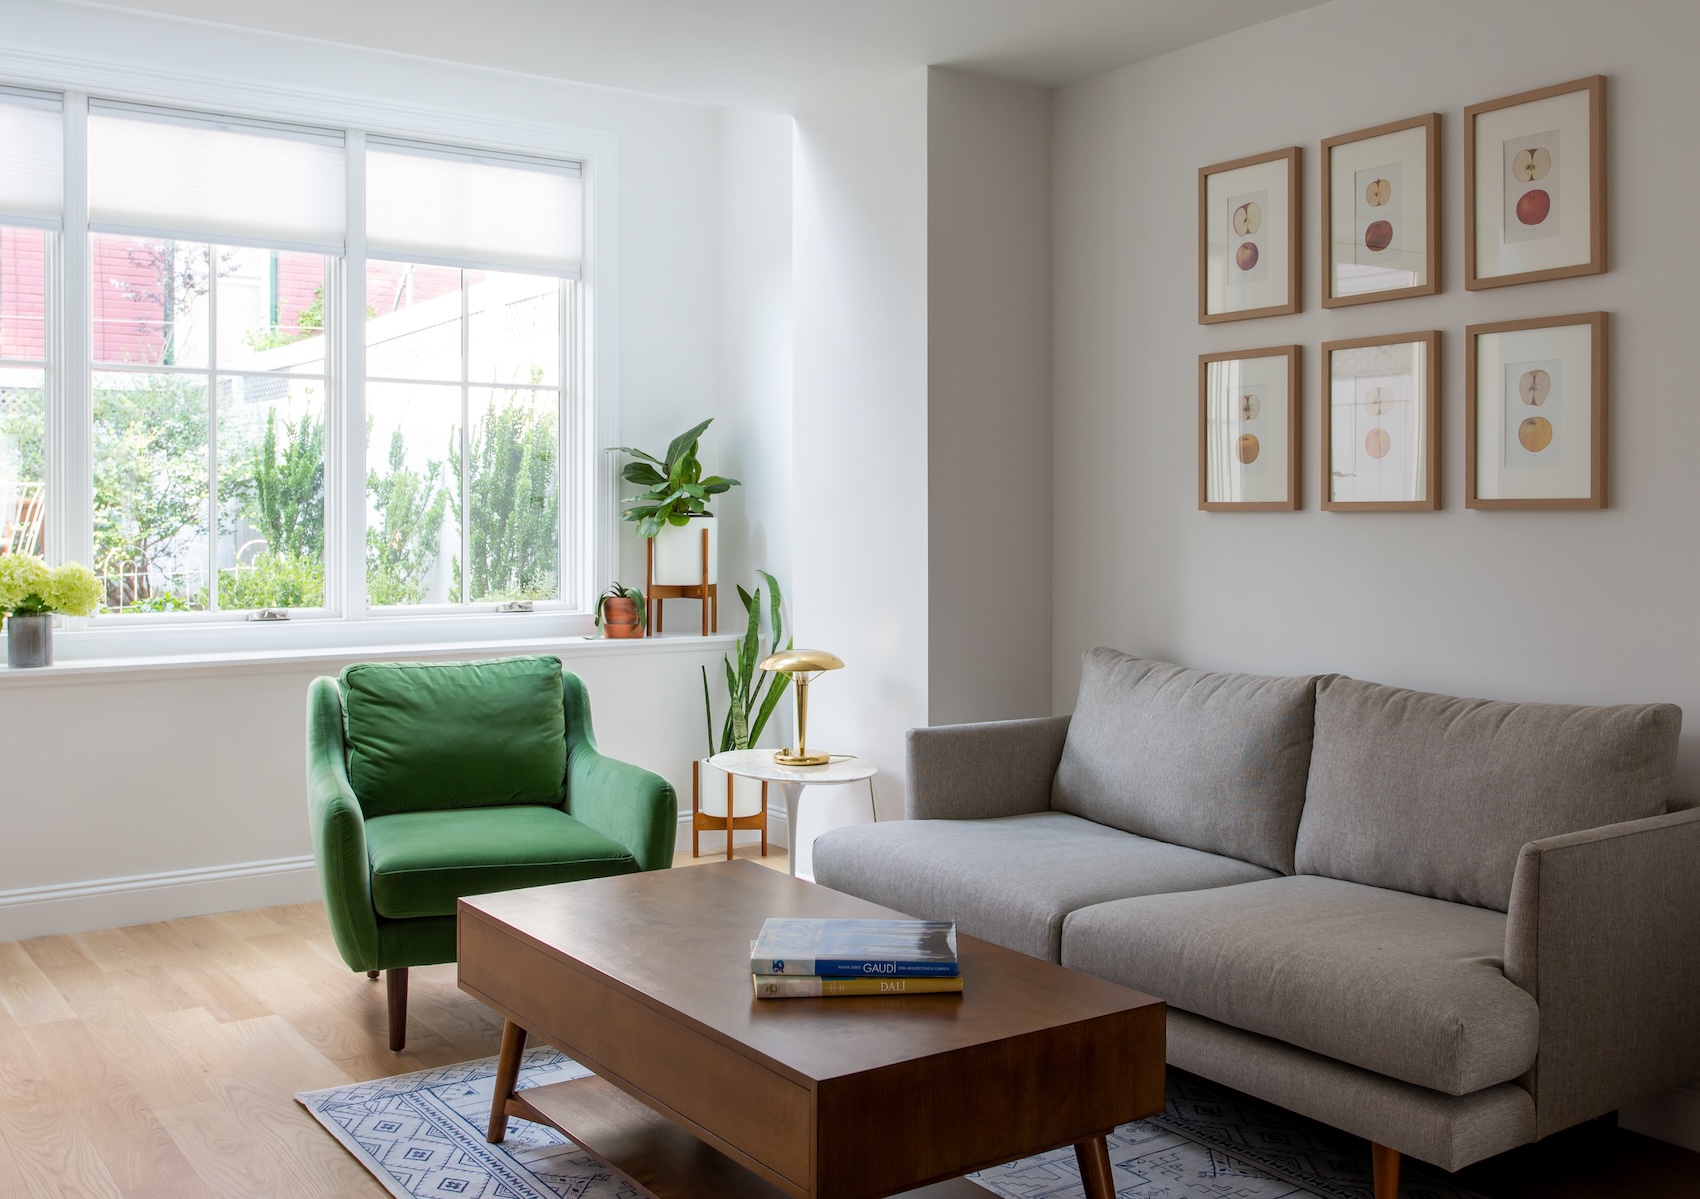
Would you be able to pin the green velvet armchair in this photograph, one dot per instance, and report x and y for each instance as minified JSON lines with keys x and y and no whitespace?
{"x":430,"y":781}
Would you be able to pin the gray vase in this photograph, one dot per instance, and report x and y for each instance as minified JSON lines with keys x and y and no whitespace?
{"x":29,"y":639}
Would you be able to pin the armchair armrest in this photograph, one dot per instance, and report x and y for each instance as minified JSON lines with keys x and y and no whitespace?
{"x":980,"y":771}
{"x":339,"y":832}
{"x":636,"y":807}
{"x":1601,"y":932}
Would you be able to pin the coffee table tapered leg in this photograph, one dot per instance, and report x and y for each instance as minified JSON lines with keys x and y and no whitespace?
{"x":1093,"y":1155}
{"x":507,"y":1074}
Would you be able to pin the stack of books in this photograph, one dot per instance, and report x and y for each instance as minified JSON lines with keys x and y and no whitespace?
{"x":809,"y":959}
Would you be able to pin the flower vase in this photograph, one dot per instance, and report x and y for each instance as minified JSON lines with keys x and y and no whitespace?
{"x":29,"y":639}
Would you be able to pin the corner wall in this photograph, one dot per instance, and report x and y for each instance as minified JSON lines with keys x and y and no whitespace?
{"x":1585,"y":607}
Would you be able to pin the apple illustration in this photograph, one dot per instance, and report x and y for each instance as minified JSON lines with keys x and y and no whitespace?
{"x":1250,"y":406}
{"x":1248,"y":219}
{"x":1377,"y":442}
{"x":1378,"y":193}
{"x":1377,"y":400}
{"x":1379,"y":235}
{"x":1535,"y":434}
{"x":1532,"y":164}
{"x":1246,"y":256}
{"x":1246,"y":448}
{"x":1533,"y":206}
{"x":1533,"y":387}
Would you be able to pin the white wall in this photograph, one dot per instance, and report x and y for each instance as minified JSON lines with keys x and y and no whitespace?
{"x":1593,"y":607}
{"x":197,"y":776}
{"x":988,"y":398}
{"x":859,"y":428}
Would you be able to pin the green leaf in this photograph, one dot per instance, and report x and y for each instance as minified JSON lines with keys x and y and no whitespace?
{"x":649,"y":526}
{"x":775,"y":689}
{"x":747,"y":653}
{"x":775,"y":623}
{"x":740,"y":718}
{"x":683,"y":441}
{"x":749,"y":600}
{"x":707,"y":712}
{"x":643,"y":474}
{"x":692,"y":490}
{"x":635,"y":453}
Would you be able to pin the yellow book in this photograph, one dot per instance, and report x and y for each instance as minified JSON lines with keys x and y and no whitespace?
{"x":811,"y":986}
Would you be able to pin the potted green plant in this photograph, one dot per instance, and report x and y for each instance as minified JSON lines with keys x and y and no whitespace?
{"x":620,"y":611}
{"x":673,"y":508}
{"x":31,"y":593}
{"x":752,"y":697}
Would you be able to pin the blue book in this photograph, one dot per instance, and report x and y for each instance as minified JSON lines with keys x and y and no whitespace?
{"x":856,"y":948}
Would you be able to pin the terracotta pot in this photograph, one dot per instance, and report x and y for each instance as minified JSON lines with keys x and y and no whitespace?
{"x":619,"y":618}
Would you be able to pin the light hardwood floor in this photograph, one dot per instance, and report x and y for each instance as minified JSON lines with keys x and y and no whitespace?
{"x":159,"y":1061}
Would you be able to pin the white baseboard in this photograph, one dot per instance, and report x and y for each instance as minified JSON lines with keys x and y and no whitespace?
{"x":1673,"y":1116}
{"x":777,"y":834}
{"x":143,"y":898}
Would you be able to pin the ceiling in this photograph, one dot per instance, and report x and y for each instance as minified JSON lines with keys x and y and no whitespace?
{"x":777,"y":55}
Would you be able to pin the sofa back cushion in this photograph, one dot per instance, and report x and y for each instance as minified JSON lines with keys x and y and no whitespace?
{"x":424,"y":736}
{"x":1437,"y":795}
{"x":1216,"y":762}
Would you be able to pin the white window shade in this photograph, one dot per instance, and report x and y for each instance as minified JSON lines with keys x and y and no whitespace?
{"x":466,"y":209}
{"x":160,"y":173}
{"x":32,"y":153}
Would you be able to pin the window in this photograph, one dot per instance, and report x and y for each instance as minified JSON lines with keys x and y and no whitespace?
{"x":263,"y":404}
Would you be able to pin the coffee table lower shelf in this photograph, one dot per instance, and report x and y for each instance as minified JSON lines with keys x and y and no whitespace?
{"x":656,"y":1155}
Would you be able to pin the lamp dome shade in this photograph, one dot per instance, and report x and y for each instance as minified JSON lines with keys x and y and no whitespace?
{"x":792,"y":660}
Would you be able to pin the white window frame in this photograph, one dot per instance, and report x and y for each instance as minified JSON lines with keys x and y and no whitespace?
{"x":590,"y":546}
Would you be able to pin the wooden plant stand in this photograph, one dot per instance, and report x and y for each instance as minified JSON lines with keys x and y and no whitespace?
{"x":654,"y":593}
{"x":702,"y":822}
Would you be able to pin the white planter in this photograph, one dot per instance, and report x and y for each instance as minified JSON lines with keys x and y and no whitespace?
{"x":746,"y":793}
{"x":678,"y":553}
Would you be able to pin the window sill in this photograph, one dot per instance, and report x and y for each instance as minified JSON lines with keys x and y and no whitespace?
{"x":249,"y":661}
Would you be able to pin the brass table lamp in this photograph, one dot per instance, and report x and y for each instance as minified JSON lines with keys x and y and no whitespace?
{"x":802,"y":665}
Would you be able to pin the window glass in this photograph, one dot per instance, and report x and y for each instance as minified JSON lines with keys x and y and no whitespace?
{"x":23,"y":389}
{"x":209,"y":449}
{"x":463,"y":487}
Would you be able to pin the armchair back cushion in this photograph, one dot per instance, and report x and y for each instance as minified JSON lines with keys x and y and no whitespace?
{"x":1215,"y":762}
{"x":426,"y":736}
{"x":1437,"y":796}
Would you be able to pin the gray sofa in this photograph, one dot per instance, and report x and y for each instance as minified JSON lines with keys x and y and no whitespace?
{"x":1450,"y":926}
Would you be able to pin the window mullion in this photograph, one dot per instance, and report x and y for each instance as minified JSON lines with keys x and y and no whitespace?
{"x":212,"y":428}
{"x":70,"y":425}
{"x":465,"y":436}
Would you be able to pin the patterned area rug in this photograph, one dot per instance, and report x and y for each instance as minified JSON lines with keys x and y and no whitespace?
{"x":422,"y":1136}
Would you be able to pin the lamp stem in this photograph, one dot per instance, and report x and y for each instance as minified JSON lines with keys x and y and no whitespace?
{"x":802,"y":716}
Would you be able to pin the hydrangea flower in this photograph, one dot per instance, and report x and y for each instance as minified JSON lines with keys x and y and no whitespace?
{"x":24,"y":583}
{"x":73,"y":589}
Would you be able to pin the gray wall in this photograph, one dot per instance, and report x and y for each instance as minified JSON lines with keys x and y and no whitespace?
{"x":1566,"y":606}
{"x":988,"y":398}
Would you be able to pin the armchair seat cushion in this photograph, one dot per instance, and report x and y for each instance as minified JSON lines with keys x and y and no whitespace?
{"x":423,"y":861}
{"x":1012,"y":879}
{"x":1400,"y":984}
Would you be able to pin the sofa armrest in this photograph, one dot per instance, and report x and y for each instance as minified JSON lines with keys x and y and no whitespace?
{"x":636,"y":807}
{"x":981,"y":771}
{"x":339,"y":832}
{"x":1601,"y":932}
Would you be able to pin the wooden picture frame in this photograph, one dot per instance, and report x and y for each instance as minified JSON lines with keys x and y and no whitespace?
{"x":1248,"y":406}
{"x":1381,"y":213}
{"x":1520,"y":385}
{"x":1391,"y":387}
{"x":1248,"y":237}
{"x":1535,"y":185}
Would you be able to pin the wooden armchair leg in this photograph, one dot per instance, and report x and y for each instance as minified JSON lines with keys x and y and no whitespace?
{"x":1385,"y":1164}
{"x":396,"y":981}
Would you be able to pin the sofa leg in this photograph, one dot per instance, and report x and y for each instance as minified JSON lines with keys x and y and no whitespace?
{"x":396,"y":981}
{"x":1385,"y":1163}
{"x":372,"y":974}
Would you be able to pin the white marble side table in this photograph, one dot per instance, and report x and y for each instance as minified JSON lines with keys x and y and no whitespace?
{"x":759,"y":764}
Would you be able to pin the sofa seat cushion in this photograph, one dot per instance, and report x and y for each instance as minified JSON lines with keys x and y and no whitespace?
{"x":1215,"y":762}
{"x":423,"y":861}
{"x":1438,"y":795}
{"x":1406,"y":986}
{"x":1011,"y":880}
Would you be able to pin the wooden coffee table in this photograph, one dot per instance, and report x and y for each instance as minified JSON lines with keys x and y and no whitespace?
{"x":700,"y":1090}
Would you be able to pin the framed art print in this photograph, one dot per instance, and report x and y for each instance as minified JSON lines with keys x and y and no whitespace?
{"x":1381,"y":213}
{"x":1248,"y":430}
{"x":1248,"y":237}
{"x":1535,"y":413}
{"x":1381,"y":424}
{"x":1535,"y":185}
